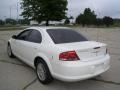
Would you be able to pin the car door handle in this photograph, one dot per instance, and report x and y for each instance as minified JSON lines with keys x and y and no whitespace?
{"x":35,"y":48}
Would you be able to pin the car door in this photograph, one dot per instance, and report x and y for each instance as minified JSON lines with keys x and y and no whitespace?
{"x":19,"y":44}
{"x":31,"y":46}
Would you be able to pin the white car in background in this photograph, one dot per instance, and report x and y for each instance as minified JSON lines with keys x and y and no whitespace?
{"x":59,"y":52}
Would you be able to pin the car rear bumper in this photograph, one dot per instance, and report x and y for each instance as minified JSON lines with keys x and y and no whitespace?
{"x":77,"y":70}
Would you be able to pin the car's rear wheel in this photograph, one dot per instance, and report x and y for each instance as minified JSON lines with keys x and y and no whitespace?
{"x":43,"y":72}
{"x":9,"y":51}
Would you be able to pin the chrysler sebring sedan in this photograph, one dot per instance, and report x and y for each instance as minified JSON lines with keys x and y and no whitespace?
{"x":59,"y":52}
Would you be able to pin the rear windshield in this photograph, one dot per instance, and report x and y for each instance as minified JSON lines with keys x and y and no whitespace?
{"x":65,"y":36}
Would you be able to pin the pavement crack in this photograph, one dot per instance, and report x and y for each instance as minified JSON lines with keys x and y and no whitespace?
{"x":109,"y":82}
{"x":29,"y":84}
{"x":119,"y":59}
{"x":3,"y":40}
{"x":4,"y":61}
{"x":114,"y":47}
{"x":117,"y":54}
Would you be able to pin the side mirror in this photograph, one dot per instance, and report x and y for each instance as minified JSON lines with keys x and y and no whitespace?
{"x":14,"y":37}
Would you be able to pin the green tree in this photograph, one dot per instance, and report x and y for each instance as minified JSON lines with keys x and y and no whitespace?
{"x":10,"y":21}
{"x":108,"y":21}
{"x":99,"y":22}
{"x":80,"y":20}
{"x":2,"y":22}
{"x":67,"y":21}
{"x":87,"y":18}
{"x":24,"y":21}
{"x":44,"y":10}
{"x":71,"y":17}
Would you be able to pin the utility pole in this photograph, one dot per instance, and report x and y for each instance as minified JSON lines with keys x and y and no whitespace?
{"x":10,"y":11}
{"x":17,"y":12}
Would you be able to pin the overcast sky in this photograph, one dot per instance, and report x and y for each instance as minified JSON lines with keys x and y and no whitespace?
{"x":75,"y":7}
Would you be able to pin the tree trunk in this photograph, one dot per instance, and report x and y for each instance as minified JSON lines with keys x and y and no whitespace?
{"x":47,"y":22}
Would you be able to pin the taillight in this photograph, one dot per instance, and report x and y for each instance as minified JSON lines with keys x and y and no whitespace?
{"x":68,"y":56}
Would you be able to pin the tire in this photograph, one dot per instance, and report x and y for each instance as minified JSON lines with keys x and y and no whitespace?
{"x":9,"y":51}
{"x":43,"y":73}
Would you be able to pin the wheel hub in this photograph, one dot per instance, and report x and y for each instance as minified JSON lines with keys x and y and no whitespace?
{"x":41,"y":72}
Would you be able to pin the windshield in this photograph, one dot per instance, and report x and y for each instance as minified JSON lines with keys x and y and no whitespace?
{"x":65,"y":36}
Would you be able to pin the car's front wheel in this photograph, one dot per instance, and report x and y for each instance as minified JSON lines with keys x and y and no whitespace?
{"x":9,"y":51}
{"x":43,"y":72}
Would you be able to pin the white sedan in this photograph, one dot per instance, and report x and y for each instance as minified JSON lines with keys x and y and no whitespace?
{"x":59,"y":52}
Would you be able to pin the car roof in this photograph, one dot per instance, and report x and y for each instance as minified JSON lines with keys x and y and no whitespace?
{"x":46,"y":27}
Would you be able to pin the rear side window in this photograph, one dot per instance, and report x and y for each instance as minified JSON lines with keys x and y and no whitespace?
{"x":23,"y":35}
{"x":65,"y":36}
{"x":35,"y":36}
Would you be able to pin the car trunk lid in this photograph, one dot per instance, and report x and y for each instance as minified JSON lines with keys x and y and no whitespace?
{"x":87,"y":50}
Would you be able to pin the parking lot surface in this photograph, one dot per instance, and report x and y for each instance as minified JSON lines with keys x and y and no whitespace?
{"x":16,"y":75}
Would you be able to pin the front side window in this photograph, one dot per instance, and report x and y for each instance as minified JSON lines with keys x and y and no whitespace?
{"x":65,"y":36}
{"x":35,"y":36}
